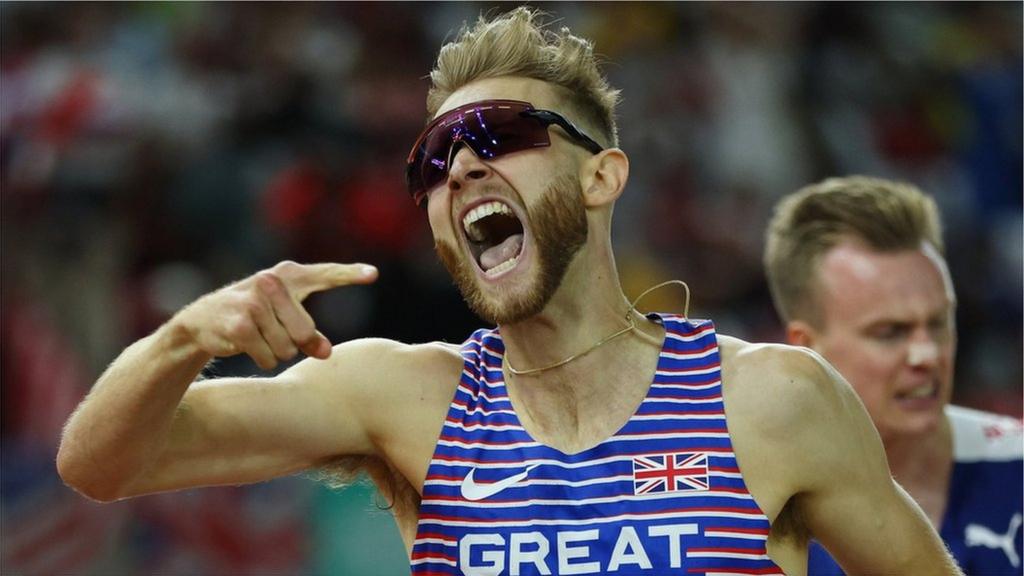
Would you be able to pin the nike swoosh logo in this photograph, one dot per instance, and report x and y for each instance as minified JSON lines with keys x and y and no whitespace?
{"x":473,"y":491}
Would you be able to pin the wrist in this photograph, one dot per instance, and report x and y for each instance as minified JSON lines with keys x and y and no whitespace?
{"x":180,"y":344}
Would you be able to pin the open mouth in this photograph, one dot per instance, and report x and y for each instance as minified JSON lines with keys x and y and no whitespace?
{"x":495,"y":236}
{"x":925,"y":391}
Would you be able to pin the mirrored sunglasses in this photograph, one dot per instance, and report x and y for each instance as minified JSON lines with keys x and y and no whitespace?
{"x":491,"y":128}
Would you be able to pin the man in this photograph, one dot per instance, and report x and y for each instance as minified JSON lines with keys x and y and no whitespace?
{"x":541,"y":446}
{"x":856,"y":271}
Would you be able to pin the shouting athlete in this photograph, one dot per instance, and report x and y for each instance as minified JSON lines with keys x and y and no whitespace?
{"x":576,"y":437}
{"x":856,"y":270}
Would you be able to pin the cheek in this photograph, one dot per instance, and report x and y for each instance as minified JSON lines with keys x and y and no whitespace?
{"x":869,"y":367}
{"x":531,"y":170}
{"x":947,"y":357}
{"x":437,"y":216}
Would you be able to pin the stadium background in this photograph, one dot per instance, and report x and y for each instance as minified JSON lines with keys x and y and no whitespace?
{"x":154,"y":151}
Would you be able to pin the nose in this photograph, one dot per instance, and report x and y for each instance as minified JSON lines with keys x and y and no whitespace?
{"x":465,"y":166}
{"x":923,"y":353}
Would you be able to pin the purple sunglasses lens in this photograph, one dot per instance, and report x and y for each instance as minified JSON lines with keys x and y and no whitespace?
{"x":490,"y":130}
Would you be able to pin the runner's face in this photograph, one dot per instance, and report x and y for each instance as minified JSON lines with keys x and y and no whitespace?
{"x":888,"y":327}
{"x":507,"y":229}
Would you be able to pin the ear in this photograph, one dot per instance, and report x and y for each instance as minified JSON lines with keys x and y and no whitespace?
{"x":800,"y":333}
{"x":603,"y":177}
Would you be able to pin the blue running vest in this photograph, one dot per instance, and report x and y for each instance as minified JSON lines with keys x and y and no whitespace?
{"x":663,"y":495}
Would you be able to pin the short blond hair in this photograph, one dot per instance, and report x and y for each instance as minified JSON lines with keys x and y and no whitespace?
{"x":518,"y":43}
{"x":885,"y":215}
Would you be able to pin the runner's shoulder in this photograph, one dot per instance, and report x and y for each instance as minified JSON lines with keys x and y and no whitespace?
{"x":778,"y":383}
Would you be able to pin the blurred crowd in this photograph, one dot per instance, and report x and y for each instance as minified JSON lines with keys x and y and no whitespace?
{"x":151,"y":152}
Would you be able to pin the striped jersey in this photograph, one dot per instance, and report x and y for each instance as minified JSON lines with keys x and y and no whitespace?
{"x":663,"y":495}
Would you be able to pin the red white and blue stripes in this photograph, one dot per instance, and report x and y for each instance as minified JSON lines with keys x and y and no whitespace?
{"x":663,"y":495}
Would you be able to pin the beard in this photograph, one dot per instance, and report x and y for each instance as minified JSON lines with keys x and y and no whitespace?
{"x":558,"y":223}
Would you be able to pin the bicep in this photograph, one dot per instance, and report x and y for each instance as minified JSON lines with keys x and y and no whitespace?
{"x":243,"y":430}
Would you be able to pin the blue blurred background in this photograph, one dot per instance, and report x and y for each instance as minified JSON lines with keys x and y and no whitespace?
{"x":152,"y":152}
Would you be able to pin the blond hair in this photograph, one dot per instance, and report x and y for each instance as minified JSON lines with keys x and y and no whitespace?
{"x":887,"y":216}
{"x":517,"y":43}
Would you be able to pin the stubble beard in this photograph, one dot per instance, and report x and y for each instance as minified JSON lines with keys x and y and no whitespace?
{"x":558,"y":222}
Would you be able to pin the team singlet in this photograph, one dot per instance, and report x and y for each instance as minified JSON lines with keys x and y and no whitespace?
{"x":663,"y":495}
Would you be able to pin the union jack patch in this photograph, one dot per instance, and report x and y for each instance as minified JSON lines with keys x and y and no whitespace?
{"x":656,"y":473}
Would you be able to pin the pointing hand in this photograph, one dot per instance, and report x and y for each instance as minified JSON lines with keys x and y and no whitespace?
{"x":263,"y":316}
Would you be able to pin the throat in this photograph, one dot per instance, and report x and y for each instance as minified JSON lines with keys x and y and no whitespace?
{"x":579,"y":406}
{"x":570,"y":418}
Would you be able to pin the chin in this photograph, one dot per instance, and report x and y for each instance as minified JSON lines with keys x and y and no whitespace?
{"x":919,"y":423}
{"x":548,"y":237}
{"x":511,"y":309}
{"x":505,"y":302}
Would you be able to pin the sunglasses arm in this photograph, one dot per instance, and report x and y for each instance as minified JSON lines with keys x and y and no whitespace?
{"x":549,"y":118}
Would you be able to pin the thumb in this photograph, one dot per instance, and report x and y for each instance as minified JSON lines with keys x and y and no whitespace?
{"x":318,"y":347}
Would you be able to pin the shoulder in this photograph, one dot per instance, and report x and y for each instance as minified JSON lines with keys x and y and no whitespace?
{"x":984,"y":436}
{"x":787,"y":406}
{"x":777,"y":358}
{"x":780,"y":382}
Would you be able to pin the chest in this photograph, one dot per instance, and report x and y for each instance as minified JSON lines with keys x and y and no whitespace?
{"x":572,"y":419}
{"x":639,"y":503}
{"x":662,"y":491}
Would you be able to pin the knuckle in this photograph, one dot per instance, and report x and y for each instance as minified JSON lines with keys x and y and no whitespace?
{"x":285,"y":268}
{"x":253,"y":307}
{"x":304,"y":334}
{"x":269,"y":282}
{"x":239,"y":328}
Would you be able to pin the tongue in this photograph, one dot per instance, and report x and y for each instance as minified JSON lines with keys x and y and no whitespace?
{"x":497,"y":254}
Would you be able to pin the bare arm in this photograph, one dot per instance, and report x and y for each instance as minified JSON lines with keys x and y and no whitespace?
{"x":845,"y":493}
{"x":145,"y":427}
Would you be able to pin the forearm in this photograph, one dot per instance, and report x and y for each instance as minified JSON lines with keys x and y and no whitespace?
{"x":901,"y":541}
{"x":122,"y":426}
{"x":133,"y":435}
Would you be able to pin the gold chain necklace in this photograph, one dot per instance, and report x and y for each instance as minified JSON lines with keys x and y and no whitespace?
{"x":628,"y":317}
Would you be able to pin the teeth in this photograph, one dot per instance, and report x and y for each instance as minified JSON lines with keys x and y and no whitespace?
{"x":506,"y":265}
{"x":921,"y":392}
{"x":481,"y":211}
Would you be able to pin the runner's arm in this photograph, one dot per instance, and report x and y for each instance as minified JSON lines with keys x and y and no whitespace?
{"x":847,"y":496}
{"x":146,"y":427}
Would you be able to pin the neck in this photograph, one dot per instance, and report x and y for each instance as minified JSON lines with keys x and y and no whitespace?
{"x":575,"y":320}
{"x":921,"y":459}
{"x":923,"y":465}
{"x":588,"y":308}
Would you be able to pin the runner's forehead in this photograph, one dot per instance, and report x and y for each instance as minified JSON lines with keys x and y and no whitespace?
{"x":530,"y":90}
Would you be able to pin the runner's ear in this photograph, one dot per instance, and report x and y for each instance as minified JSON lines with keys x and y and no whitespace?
{"x":800,"y":333}
{"x":603,"y":177}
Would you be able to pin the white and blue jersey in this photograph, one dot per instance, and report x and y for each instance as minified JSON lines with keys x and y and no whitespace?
{"x":662,"y":496}
{"x":982,"y":523}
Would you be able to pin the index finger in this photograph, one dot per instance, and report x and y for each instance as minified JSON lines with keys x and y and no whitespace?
{"x":304,"y":279}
